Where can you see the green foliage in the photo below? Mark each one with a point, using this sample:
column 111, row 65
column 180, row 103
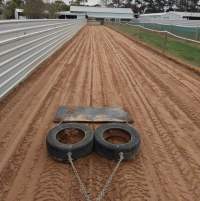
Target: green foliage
column 1, row 7
column 76, row 2
column 58, row 6
column 154, row 6
column 34, row 9
column 8, row 9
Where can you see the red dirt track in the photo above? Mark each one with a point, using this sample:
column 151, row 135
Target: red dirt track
column 100, row 67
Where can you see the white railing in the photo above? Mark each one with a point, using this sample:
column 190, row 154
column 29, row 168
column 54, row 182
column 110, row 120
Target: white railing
column 24, row 44
column 167, row 33
column 182, row 28
column 175, row 22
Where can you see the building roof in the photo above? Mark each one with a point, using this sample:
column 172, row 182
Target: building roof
column 87, row 9
column 69, row 13
column 103, row 12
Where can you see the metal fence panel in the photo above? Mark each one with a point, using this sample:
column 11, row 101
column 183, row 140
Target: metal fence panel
column 184, row 28
column 176, row 22
column 16, row 24
column 26, row 43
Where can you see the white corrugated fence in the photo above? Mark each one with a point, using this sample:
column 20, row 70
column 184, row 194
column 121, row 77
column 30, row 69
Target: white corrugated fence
column 26, row 43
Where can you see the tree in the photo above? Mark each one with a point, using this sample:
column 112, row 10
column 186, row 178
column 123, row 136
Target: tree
column 155, row 6
column 179, row 5
column 9, row 8
column 192, row 5
column 76, row 2
column 58, row 6
column 1, row 8
column 138, row 6
column 34, row 9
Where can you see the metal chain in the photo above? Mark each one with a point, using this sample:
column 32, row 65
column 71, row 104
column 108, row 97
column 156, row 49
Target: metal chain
column 82, row 186
column 109, row 180
column 107, row 184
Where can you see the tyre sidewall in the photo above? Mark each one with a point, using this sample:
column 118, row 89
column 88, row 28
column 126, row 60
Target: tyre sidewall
column 111, row 151
column 59, row 150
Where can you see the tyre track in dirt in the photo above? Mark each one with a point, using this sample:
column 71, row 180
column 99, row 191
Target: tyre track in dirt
column 97, row 176
column 168, row 71
column 125, row 189
column 150, row 94
column 100, row 67
column 83, row 84
column 182, row 80
column 45, row 182
column 172, row 123
column 171, row 66
column 162, row 94
column 157, row 90
column 176, row 112
column 103, row 85
column 140, row 55
column 142, row 83
column 138, row 186
column 50, row 168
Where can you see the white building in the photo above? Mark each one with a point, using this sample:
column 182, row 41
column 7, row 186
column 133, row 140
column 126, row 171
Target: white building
column 52, row 1
column 69, row 15
column 19, row 14
column 103, row 12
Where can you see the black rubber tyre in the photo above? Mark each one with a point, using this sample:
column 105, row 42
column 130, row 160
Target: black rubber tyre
column 59, row 150
column 111, row 151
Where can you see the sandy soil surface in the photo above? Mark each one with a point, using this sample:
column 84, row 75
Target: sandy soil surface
column 100, row 67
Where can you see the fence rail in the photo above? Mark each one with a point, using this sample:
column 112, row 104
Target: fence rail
column 182, row 28
column 164, row 42
column 175, row 22
column 24, row 44
column 166, row 33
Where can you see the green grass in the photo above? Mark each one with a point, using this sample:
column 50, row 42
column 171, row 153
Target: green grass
column 186, row 51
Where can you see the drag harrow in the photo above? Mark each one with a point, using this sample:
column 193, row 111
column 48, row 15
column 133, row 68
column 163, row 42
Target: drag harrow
column 113, row 119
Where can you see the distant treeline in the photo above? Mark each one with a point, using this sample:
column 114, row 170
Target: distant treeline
column 33, row 9
column 155, row 6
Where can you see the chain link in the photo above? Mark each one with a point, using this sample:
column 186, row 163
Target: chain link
column 82, row 186
column 109, row 180
column 107, row 184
